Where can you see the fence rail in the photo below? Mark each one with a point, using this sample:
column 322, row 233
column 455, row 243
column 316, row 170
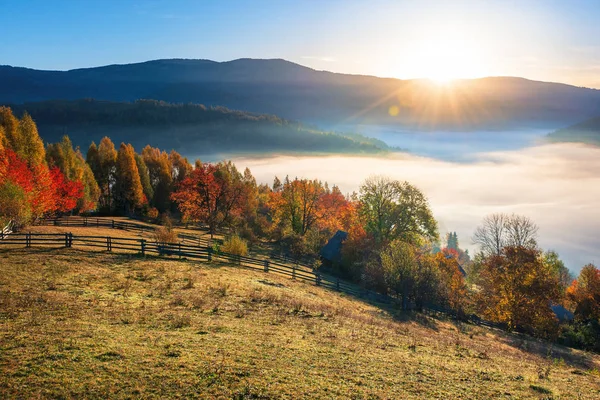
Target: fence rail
column 100, row 222
column 202, row 251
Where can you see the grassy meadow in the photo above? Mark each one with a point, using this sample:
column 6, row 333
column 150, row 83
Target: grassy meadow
column 75, row 324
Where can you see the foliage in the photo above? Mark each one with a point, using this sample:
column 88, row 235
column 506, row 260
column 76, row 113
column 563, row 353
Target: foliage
column 235, row 245
column 408, row 274
column 584, row 293
column 165, row 234
column 396, row 210
column 517, row 288
column 128, row 193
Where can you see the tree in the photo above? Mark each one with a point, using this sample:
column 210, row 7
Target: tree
column 75, row 169
column 161, row 179
column 584, row 292
column 553, row 261
column 144, row 177
column 102, row 161
column 517, row 288
column 31, row 146
column 500, row 230
column 396, row 210
column 129, row 193
column 408, row 274
column 452, row 241
column 453, row 289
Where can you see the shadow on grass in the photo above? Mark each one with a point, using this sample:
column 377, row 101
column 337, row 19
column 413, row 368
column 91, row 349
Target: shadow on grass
column 551, row 351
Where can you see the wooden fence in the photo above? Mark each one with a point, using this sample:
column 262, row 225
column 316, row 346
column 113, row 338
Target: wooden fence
column 99, row 222
column 144, row 247
column 199, row 252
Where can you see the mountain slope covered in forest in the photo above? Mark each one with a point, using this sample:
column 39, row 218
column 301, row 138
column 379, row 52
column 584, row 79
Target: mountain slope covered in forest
column 296, row 92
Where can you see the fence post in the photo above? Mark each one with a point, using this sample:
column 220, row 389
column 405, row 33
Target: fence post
column 337, row 284
column 294, row 271
column 70, row 239
column 113, row 224
column 210, row 250
column 143, row 244
column 28, row 239
column 318, row 279
column 66, row 240
column 85, row 221
column 107, row 243
column 266, row 265
column 180, row 250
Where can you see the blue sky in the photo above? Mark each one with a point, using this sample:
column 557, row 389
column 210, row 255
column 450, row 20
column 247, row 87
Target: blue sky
column 545, row 40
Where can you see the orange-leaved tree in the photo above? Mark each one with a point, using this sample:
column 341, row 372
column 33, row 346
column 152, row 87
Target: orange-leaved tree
column 584, row 293
column 517, row 288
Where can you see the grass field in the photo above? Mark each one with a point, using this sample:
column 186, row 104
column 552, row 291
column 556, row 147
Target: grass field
column 96, row 325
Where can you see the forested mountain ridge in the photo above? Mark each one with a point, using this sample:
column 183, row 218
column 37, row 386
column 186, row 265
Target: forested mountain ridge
column 193, row 129
column 296, row 92
column 587, row 131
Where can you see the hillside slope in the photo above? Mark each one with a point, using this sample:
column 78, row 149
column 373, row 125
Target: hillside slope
column 296, row 92
column 77, row 325
column 191, row 129
column 584, row 132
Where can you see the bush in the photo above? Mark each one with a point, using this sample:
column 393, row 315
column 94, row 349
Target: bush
column 165, row 234
column 152, row 213
column 235, row 245
column 14, row 204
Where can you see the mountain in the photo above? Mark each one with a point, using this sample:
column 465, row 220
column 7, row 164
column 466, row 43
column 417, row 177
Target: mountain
column 328, row 99
column 192, row 129
column 587, row 131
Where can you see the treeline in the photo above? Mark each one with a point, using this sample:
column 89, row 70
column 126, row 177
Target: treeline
column 194, row 127
column 391, row 245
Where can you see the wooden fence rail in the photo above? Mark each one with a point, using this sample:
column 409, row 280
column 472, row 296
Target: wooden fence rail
column 203, row 253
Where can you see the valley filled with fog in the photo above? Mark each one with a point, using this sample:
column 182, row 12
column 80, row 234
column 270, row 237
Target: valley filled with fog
column 557, row 185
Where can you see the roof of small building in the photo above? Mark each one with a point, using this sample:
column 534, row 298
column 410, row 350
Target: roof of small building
column 332, row 251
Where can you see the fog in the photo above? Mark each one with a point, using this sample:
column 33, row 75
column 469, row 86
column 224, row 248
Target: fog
column 557, row 185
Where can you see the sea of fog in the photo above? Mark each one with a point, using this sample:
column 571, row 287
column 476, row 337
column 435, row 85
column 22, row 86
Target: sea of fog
column 467, row 177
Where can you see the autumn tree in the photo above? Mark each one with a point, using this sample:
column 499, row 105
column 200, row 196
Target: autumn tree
column 517, row 288
column 409, row 274
column 102, row 161
column 500, row 230
column 584, row 293
column 396, row 210
column 75, row 169
column 144, row 177
column 213, row 194
column 128, row 192
column 452, row 288
column 161, row 178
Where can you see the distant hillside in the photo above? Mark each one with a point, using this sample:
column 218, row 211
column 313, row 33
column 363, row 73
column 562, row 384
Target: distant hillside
column 295, row 92
column 584, row 132
column 191, row 129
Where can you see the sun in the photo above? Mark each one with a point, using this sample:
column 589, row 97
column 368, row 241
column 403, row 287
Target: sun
column 445, row 56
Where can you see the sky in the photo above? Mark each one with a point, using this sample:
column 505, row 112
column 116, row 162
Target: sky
column 543, row 40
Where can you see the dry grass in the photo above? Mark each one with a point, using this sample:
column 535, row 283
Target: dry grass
column 80, row 325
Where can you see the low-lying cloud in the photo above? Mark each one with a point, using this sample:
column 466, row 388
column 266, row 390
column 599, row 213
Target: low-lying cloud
column 557, row 185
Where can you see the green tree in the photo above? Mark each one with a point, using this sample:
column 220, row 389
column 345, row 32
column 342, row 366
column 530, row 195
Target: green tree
column 144, row 176
column 396, row 210
column 408, row 274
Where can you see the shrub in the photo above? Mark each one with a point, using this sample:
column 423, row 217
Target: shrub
column 165, row 234
column 14, row 204
column 235, row 245
column 152, row 213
